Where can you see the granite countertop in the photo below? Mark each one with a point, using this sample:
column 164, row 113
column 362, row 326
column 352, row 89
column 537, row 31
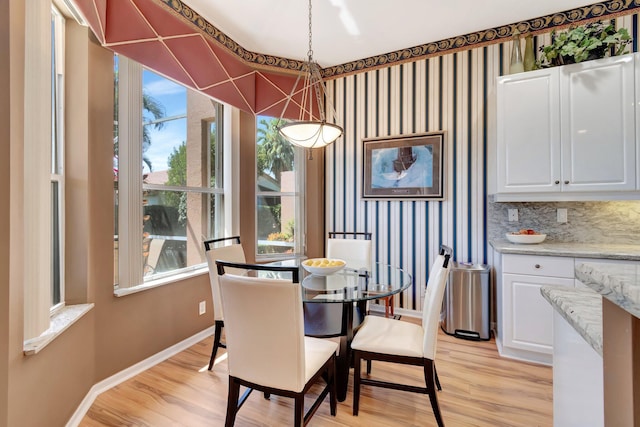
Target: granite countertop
column 619, row 283
column 580, row 250
column 582, row 308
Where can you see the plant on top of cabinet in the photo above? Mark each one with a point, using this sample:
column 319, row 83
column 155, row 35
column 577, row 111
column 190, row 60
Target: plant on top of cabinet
column 591, row 41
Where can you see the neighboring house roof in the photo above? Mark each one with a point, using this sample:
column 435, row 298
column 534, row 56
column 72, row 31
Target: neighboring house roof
column 158, row 177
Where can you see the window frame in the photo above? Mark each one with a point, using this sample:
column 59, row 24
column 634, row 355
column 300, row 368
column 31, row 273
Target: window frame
column 57, row 158
column 131, row 187
column 298, row 194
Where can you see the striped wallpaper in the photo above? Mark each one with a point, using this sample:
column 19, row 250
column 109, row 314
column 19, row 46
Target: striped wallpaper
column 452, row 93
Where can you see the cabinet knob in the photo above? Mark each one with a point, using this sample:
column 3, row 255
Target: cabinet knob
column 537, row 266
column 566, row 182
column 557, row 182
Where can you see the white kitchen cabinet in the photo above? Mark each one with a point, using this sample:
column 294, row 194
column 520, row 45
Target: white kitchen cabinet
column 526, row 318
column 567, row 129
column 598, row 125
column 528, row 132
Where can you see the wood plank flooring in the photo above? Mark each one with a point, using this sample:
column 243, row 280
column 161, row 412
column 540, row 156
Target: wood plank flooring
column 479, row 389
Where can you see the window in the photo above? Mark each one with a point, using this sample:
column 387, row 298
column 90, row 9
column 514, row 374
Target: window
column 168, row 170
column 57, row 159
column 279, row 203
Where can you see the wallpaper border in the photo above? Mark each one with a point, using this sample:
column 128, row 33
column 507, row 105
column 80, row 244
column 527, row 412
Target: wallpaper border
column 596, row 11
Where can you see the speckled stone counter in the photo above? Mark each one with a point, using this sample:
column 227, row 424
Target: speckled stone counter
column 578, row 250
column 582, row 308
column 619, row 283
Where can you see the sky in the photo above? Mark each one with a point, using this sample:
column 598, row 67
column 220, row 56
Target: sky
column 173, row 97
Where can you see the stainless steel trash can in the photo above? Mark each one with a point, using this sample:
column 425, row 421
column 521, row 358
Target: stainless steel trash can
column 466, row 306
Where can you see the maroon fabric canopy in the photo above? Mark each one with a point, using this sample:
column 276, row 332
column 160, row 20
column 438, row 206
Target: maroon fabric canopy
column 171, row 39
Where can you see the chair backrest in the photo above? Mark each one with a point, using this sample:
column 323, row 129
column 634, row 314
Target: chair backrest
column 433, row 303
column 355, row 252
column 264, row 329
column 232, row 253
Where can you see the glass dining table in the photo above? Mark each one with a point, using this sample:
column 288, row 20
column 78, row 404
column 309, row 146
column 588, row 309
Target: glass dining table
column 335, row 304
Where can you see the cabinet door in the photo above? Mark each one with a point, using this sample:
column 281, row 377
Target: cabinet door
column 598, row 125
column 528, row 132
column 528, row 317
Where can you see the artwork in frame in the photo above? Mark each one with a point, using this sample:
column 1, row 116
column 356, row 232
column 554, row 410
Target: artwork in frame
column 410, row 166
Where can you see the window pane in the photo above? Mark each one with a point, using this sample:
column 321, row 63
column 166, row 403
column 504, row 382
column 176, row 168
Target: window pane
column 174, row 223
column 56, row 273
column 276, row 224
column 212, row 135
column 116, row 271
column 275, row 158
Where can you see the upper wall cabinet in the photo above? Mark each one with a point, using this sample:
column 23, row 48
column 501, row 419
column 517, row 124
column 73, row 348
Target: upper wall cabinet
column 567, row 129
column 528, row 131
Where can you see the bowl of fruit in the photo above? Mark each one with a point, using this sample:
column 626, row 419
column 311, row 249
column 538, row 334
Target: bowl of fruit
column 323, row 266
column 526, row 236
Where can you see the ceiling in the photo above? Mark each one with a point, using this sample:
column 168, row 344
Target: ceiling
column 249, row 53
column 348, row 30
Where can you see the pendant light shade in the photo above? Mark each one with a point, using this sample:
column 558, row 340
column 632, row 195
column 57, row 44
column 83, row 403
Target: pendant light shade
column 306, row 131
column 309, row 134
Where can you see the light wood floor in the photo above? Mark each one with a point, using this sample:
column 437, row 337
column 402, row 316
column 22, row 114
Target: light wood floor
column 479, row 389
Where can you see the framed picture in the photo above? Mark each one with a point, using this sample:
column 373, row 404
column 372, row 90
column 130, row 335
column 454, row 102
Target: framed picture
column 404, row 166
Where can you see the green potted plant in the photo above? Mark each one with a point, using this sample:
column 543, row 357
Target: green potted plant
column 591, row 41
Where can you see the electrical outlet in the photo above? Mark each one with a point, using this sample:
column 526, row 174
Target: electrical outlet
column 562, row 215
column 513, row 214
column 202, row 308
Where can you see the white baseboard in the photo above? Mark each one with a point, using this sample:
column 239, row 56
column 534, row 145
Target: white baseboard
column 132, row 371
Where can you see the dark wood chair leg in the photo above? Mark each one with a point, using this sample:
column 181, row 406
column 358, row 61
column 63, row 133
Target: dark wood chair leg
column 435, row 371
column 356, row 382
column 368, row 367
column 232, row 402
column 299, row 410
column 216, row 342
column 333, row 389
column 429, row 376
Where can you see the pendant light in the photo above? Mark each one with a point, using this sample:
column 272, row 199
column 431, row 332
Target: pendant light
column 308, row 132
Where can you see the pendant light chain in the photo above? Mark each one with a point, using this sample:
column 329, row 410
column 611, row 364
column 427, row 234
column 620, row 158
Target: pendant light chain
column 310, row 133
column 310, row 52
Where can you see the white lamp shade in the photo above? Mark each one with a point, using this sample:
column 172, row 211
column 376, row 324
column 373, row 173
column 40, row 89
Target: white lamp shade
column 309, row 134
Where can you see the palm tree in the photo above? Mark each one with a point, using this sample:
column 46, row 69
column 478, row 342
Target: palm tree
column 275, row 154
column 150, row 105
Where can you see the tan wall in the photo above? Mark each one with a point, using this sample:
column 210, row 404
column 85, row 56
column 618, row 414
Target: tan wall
column 314, row 205
column 247, row 184
column 45, row 389
column 11, row 119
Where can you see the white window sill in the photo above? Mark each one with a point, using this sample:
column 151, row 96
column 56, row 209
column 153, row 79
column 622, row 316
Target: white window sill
column 60, row 321
column 120, row 292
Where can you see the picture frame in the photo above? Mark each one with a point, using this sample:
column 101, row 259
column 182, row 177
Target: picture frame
column 408, row 166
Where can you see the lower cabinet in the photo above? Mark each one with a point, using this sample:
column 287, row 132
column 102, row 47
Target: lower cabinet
column 525, row 318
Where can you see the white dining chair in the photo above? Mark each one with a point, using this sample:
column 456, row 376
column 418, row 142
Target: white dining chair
column 220, row 249
column 354, row 251
column 390, row 340
column 266, row 344
column 357, row 253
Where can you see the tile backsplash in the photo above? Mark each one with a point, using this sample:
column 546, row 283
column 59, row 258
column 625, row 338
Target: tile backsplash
column 588, row 222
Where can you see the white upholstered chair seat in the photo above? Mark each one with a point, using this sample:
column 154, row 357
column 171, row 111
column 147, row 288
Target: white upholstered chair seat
column 389, row 336
column 316, row 352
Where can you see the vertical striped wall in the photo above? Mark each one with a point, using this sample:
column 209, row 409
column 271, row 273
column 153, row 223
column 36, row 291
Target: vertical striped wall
column 452, row 93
